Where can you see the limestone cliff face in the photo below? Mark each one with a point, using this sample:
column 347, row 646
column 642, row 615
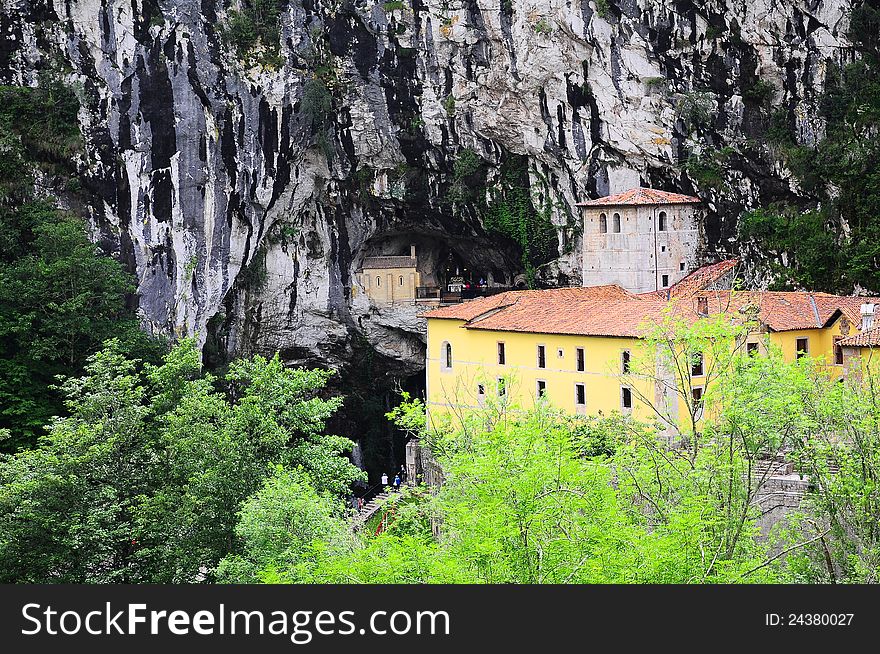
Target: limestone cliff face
column 244, row 214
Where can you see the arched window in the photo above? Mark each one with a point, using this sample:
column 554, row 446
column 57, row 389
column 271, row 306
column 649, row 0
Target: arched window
column 603, row 224
column 400, row 280
column 378, row 281
column 447, row 355
column 617, row 223
column 661, row 222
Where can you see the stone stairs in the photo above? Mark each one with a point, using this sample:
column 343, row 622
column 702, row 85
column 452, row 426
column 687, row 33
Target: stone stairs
column 370, row 509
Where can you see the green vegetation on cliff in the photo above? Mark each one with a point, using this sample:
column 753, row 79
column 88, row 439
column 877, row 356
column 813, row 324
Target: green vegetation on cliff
column 60, row 298
column 834, row 246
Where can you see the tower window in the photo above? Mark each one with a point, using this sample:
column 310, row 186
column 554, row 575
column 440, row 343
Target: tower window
column 617, row 223
column 681, row 266
column 542, row 357
column 580, row 359
column 501, row 354
column 542, row 388
column 664, row 280
column 603, row 223
column 624, row 362
column 378, row 281
column 502, row 390
column 626, row 400
column 661, row 222
column 400, row 280
column 838, row 351
column 802, row 347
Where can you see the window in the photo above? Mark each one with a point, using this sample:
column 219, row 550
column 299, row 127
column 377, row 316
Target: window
column 400, row 281
column 580, row 394
column 664, row 280
column 617, row 223
column 838, row 351
column 626, row 399
column 542, row 388
column 681, row 266
column 502, row 388
column 624, row 362
column 802, row 347
column 697, row 365
column 501, row 355
column 560, row 353
column 603, row 224
column 580, row 359
column 542, row 358
column 447, row 355
column 378, row 281
column 703, row 306
column 661, row 222
column 481, row 390
column 697, row 394
column 751, row 349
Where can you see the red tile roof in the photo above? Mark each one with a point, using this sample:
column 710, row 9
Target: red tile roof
column 641, row 196
column 612, row 311
column 699, row 279
column 869, row 338
column 474, row 308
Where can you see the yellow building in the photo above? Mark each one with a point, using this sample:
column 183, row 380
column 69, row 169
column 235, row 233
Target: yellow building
column 575, row 346
column 861, row 351
column 388, row 279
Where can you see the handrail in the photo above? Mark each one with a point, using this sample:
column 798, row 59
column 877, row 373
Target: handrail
column 369, row 490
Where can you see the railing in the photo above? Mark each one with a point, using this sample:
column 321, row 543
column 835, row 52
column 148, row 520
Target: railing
column 438, row 293
column 427, row 292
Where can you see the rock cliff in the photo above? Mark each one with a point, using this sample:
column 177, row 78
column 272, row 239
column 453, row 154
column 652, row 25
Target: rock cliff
column 244, row 185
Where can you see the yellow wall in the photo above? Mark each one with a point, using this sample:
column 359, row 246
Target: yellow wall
column 474, row 359
column 474, row 354
column 384, row 284
column 820, row 342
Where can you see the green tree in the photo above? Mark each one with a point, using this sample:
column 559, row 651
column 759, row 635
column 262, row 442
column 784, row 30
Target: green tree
column 143, row 480
column 286, row 528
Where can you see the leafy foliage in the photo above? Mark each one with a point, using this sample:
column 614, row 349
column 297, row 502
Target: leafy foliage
column 254, row 32
column 512, row 213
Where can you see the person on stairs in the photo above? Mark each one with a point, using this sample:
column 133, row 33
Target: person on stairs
column 397, row 482
column 384, row 479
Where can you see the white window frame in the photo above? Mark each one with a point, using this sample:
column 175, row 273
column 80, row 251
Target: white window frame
column 578, row 385
column 623, row 407
column 538, row 393
column 445, row 358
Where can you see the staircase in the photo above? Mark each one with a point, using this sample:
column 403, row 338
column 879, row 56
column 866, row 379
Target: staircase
column 370, row 509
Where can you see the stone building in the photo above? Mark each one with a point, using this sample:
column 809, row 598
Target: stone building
column 387, row 279
column 642, row 239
